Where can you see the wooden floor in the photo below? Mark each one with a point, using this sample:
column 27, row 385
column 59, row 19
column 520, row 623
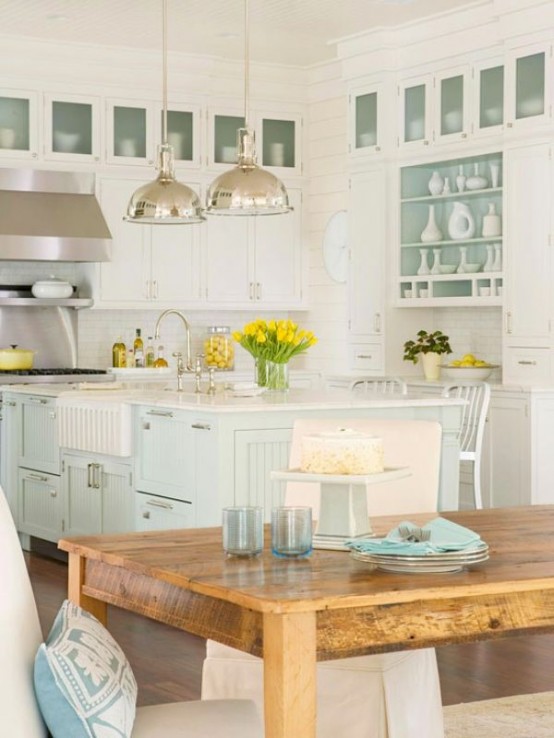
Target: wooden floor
column 167, row 662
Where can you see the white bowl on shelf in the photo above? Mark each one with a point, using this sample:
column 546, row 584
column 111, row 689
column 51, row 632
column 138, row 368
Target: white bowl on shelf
column 447, row 268
column 468, row 373
column 52, row 289
column 469, row 268
column 66, row 142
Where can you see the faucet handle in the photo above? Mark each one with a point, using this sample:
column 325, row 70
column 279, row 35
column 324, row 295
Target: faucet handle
column 198, row 359
column 179, row 356
column 211, row 382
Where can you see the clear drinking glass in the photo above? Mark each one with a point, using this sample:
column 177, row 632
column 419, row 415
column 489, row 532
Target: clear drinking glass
column 243, row 530
column 291, row 531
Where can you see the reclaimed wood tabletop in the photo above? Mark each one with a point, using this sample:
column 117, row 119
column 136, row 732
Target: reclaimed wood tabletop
column 327, row 606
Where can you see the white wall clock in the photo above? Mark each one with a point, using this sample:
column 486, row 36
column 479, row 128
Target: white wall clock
column 335, row 246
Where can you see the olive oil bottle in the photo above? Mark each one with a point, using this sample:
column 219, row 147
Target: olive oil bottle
column 119, row 354
column 149, row 355
column 138, row 348
column 160, row 361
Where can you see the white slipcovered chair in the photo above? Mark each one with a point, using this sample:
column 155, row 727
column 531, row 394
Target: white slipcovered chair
column 20, row 636
column 392, row 695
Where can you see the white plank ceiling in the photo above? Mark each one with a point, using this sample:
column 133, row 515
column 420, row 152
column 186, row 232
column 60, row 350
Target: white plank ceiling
column 297, row 32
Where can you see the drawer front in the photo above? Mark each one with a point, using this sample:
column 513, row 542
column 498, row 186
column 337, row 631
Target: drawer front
column 366, row 356
column 40, row 505
column 160, row 513
column 527, row 365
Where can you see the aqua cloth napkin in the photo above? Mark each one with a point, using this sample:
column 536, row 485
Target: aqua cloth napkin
column 443, row 536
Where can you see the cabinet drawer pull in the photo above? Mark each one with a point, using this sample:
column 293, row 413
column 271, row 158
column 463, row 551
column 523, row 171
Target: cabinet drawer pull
column 251, row 292
column 163, row 505
column 10, row 403
column 508, row 322
column 364, row 356
column 526, row 362
column 36, row 477
column 39, row 400
column 97, row 476
column 258, row 291
column 377, row 322
column 160, row 413
column 201, row 426
column 89, row 476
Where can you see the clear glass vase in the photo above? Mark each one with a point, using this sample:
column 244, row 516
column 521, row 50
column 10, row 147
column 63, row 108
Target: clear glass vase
column 260, row 372
column 277, row 376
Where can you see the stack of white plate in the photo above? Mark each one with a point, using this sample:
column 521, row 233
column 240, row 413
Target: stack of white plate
column 431, row 563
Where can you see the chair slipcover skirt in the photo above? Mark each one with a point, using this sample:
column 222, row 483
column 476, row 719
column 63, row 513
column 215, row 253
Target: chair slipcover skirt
column 393, row 695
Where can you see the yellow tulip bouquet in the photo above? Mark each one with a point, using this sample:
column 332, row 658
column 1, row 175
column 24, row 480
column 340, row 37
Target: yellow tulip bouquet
column 276, row 342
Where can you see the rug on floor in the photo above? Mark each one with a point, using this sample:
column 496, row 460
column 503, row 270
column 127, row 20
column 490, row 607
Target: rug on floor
column 523, row 716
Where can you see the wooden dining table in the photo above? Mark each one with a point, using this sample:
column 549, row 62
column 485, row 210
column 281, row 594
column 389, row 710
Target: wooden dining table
column 327, row 606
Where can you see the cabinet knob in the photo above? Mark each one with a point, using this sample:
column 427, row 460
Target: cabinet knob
column 464, row 135
column 53, row 493
column 509, row 125
column 146, row 515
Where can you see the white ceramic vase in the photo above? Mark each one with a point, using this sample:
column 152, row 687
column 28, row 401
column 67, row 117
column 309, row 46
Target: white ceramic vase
column 490, row 258
column 431, row 233
column 424, row 264
column 436, row 268
column 461, row 179
column 492, row 225
column 431, row 365
column 436, row 184
column 461, row 224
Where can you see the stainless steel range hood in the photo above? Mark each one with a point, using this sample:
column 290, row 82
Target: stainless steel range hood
column 51, row 216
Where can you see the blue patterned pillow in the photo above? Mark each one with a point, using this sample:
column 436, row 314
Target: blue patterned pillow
column 84, row 684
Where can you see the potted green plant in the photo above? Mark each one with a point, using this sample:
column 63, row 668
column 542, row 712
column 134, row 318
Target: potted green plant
column 431, row 346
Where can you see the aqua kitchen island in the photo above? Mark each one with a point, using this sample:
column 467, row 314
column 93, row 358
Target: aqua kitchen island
column 128, row 459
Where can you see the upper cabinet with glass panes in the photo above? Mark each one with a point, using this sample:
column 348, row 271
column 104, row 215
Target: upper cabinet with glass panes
column 71, row 127
column 19, row 124
column 278, row 140
column 366, row 121
column 528, row 87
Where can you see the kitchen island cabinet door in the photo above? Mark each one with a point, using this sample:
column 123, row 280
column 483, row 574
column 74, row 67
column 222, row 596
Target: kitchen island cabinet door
column 40, row 505
column 39, row 447
column 98, row 495
column 164, row 459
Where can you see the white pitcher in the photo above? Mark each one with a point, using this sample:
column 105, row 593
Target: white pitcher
column 461, row 224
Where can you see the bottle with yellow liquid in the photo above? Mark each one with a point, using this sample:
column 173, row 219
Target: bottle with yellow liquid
column 138, row 348
column 160, row 361
column 149, row 355
column 119, row 354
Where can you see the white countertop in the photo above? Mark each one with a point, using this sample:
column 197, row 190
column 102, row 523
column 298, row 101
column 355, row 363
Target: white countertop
column 224, row 401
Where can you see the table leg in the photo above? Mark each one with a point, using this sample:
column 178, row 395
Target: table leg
column 76, row 577
column 290, row 675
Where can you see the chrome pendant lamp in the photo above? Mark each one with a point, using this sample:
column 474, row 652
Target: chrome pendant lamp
column 247, row 189
column 164, row 200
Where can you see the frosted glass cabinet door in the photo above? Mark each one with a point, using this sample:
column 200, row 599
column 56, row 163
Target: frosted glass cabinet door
column 452, row 109
column 528, row 86
column 365, row 121
column 488, row 98
column 279, row 145
column 71, row 128
column 415, row 111
column 18, row 124
column 223, row 138
column 130, row 136
column 183, row 132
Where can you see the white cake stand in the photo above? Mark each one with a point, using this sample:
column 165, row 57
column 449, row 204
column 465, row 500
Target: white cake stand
column 343, row 513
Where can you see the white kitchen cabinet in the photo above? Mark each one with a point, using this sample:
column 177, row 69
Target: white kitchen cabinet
column 415, row 105
column 40, row 505
column 366, row 275
column 487, row 87
column 528, row 87
column 97, row 493
column 72, row 128
column 9, row 440
column 19, row 124
column 38, row 434
column 183, row 133
column 528, row 303
column 452, row 105
column 366, row 120
column 129, row 132
column 154, row 266
column 506, row 466
column 255, row 262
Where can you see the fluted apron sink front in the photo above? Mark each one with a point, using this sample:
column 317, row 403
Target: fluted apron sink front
column 102, row 424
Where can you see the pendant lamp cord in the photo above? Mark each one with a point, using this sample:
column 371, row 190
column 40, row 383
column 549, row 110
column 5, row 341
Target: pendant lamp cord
column 164, row 72
column 246, row 63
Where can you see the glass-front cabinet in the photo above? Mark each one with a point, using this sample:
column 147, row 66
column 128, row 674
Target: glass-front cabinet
column 416, row 117
column 366, row 128
column 222, row 138
column 183, row 132
column 488, row 98
column 452, row 109
column 528, row 80
column 129, row 132
column 279, row 142
column 71, row 127
column 18, row 124
column 451, row 233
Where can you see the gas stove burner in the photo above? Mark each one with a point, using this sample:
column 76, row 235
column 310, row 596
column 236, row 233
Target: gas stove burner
column 47, row 372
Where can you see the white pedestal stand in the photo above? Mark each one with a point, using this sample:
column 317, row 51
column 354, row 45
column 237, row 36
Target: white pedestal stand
column 343, row 510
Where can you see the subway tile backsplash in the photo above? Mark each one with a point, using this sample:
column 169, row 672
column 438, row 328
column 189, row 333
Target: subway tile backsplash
column 473, row 330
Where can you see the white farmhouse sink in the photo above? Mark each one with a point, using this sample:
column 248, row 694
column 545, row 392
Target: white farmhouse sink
column 101, row 423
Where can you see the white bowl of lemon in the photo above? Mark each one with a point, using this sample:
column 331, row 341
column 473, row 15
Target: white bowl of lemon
column 469, row 367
